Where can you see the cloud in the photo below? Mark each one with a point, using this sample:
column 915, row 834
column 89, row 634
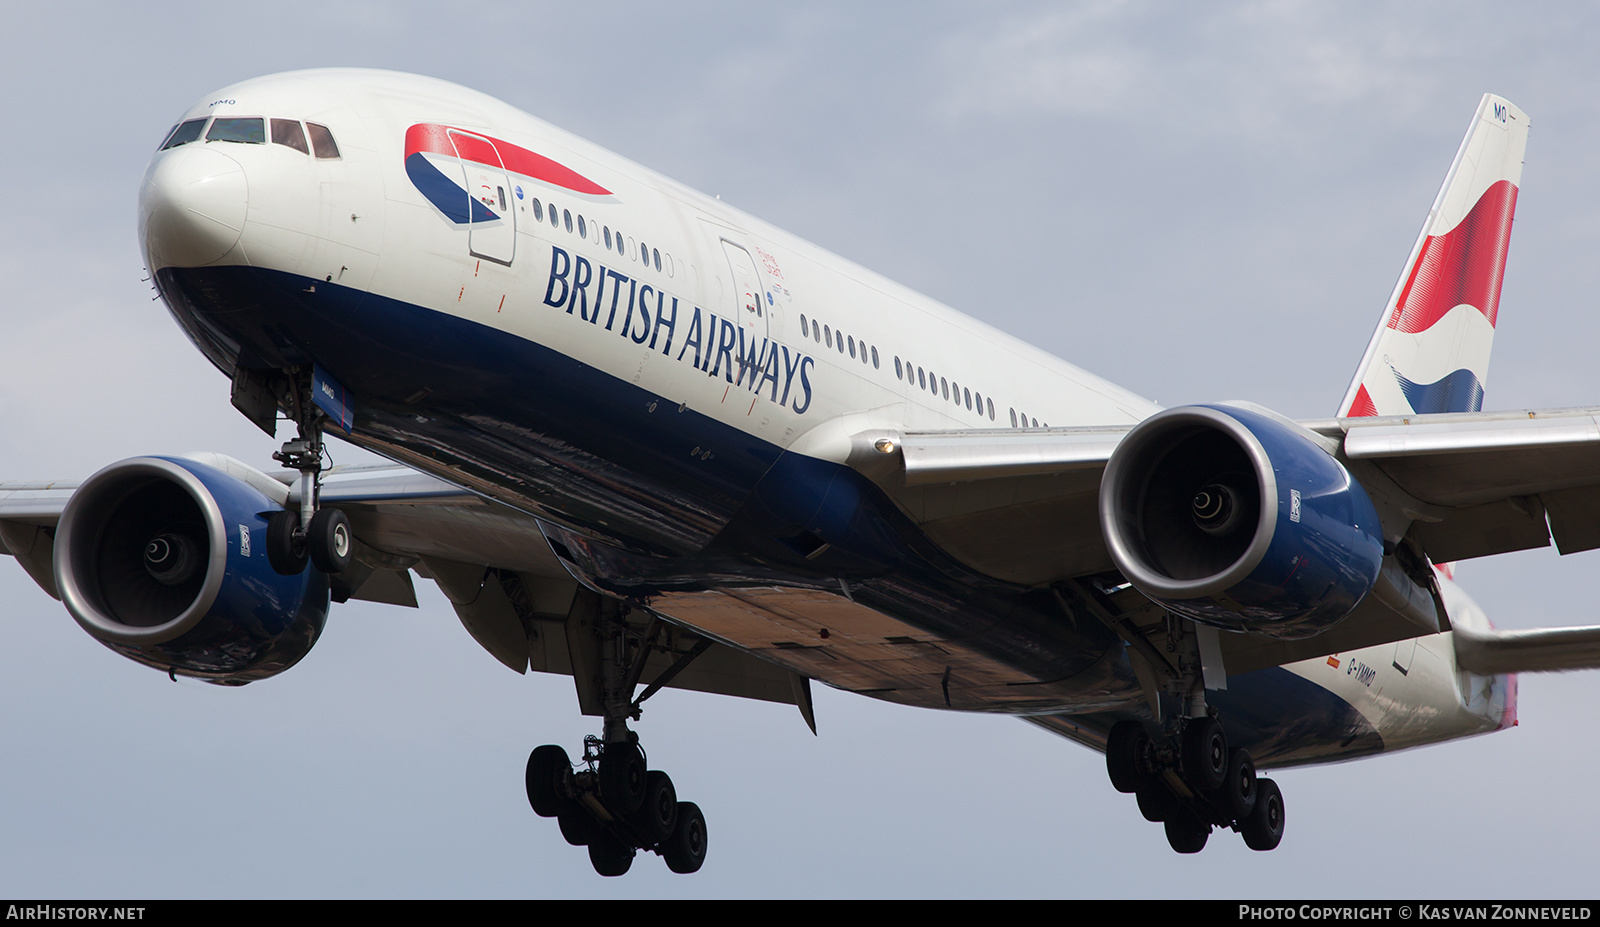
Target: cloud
column 1236, row 70
column 1055, row 61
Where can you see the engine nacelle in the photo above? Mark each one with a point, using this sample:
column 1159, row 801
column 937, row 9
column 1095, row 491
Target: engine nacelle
column 164, row 560
column 1239, row 521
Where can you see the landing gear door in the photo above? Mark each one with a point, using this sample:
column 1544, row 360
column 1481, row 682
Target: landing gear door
column 492, row 234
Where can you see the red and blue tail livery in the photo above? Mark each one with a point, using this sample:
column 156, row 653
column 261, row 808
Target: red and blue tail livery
column 1431, row 351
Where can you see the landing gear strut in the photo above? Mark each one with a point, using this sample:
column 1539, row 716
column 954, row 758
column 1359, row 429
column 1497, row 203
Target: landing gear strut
column 610, row 801
column 321, row 536
column 1187, row 777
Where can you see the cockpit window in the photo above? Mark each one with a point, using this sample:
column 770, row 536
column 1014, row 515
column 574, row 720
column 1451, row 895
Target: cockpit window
column 322, row 141
column 287, row 132
column 250, row 130
column 184, row 133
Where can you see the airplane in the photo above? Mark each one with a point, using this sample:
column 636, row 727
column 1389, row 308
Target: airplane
column 645, row 440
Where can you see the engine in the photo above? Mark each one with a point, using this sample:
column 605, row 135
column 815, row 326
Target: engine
column 164, row 561
column 1240, row 521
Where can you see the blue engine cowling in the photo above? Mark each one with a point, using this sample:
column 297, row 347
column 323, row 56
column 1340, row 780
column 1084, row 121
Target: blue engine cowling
column 164, row 560
column 1239, row 521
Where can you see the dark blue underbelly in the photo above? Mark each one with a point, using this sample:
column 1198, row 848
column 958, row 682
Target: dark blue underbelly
column 607, row 467
column 549, row 434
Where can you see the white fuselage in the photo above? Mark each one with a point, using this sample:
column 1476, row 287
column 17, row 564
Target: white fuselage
column 669, row 299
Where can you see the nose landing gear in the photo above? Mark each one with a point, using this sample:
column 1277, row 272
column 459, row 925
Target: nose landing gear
column 319, row 535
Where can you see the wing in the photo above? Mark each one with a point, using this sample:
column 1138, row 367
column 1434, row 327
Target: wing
column 1023, row 506
column 1473, row 484
column 1487, row 483
column 492, row 562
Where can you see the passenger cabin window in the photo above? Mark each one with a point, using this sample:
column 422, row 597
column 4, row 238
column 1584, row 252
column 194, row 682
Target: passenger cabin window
column 322, row 141
column 538, row 210
column 251, row 131
column 184, row 133
column 287, row 132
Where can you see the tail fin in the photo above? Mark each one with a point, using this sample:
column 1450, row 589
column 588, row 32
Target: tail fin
column 1431, row 350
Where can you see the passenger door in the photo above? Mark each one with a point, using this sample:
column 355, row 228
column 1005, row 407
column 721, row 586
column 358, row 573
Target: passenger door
column 492, row 234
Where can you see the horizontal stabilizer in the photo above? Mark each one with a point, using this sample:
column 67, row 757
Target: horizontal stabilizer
column 1538, row 651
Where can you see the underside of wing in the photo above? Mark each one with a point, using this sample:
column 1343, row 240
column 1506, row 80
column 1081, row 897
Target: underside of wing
column 1484, row 483
column 492, row 562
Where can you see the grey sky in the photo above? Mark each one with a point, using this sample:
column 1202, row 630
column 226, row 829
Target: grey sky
column 1200, row 202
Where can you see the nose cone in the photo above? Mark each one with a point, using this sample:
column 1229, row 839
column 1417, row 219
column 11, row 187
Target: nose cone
column 192, row 207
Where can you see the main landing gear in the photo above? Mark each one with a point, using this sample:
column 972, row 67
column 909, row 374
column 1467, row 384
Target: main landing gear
column 1191, row 781
column 611, row 802
column 321, row 536
column 615, row 806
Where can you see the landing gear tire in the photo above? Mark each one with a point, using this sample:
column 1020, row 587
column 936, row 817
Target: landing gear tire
column 1186, row 832
column 1237, row 797
column 1263, row 829
column 546, row 780
column 329, row 541
column 578, row 827
column 610, row 856
column 685, row 850
column 656, row 818
column 1204, row 754
column 1156, row 802
column 622, row 778
column 285, row 553
column 1126, row 747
